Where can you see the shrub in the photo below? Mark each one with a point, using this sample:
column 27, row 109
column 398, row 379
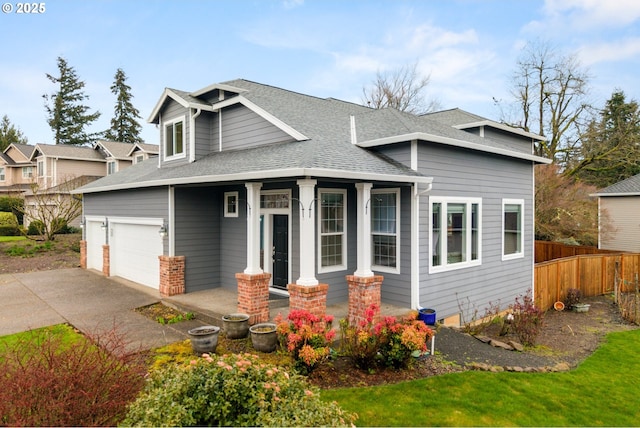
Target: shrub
column 528, row 320
column 231, row 390
column 307, row 337
column 573, row 297
column 390, row 342
column 36, row 227
column 9, row 231
column 47, row 382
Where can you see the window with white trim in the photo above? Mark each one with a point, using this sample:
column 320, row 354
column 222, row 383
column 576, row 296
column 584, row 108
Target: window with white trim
column 174, row 137
column 231, row 204
column 2, row 174
column 332, row 230
column 139, row 158
column 385, row 230
column 512, row 228
column 40, row 168
column 455, row 232
column 27, row 172
column 111, row 167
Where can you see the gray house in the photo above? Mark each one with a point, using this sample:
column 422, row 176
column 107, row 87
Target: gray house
column 621, row 202
column 260, row 189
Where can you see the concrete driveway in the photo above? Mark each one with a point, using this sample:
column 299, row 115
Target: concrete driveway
column 86, row 300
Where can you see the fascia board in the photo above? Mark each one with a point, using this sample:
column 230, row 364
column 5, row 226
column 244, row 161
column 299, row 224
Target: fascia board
column 603, row 195
column 262, row 175
column 501, row 126
column 168, row 93
column 217, row 86
column 423, row 136
column 262, row 113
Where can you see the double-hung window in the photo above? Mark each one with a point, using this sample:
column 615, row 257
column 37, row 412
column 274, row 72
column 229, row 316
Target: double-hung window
column 333, row 228
column 455, row 232
column 385, row 230
column 174, row 138
column 111, row 167
column 2, row 174
column 27, row 172
column 512, row 227
column 231, row 204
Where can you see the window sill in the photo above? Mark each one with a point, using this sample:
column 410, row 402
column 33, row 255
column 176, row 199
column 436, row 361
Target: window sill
column 385, row 269
column 514, row 256
column 455, row 266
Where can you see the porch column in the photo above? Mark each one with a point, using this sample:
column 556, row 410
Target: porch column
column 253, row 229
column 307, row 233
column 364, row 206
column 307, row 293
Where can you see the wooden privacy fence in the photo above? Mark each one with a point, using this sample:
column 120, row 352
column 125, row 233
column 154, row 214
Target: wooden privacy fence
column 593, row 274
column 547, row 250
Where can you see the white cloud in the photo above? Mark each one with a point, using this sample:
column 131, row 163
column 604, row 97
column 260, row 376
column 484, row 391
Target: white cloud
column 562, row 16
column 291, row 4
column 618, row 50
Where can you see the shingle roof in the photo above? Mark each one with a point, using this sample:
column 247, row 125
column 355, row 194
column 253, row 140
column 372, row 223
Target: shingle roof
column 630, row 186
column 454, row 117
column 116, row 149
column 68, row 152
column 328, row 149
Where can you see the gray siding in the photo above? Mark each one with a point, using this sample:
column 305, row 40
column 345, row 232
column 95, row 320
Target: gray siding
column 204, row 133
column 464, row 173
column 513, row 140
column 152, row 202
column 233, row 238
column 242, row 128
column 197, row 225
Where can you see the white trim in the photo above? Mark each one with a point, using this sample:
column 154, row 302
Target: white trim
column 267, row 237
column 148, row 221
column 444, row 201
column 618, row 194
column 219, row 86
column 168, row 93
column 264, row 175
column 424, row 136
column 414, row 155
column 415, row 247
column 379, row 268
column 262, row 113
column 307, row 234
column 171, row 208
column 516, row 255
column 172, row 123
column 343, row 265
column 227, row 213
column 502, row 126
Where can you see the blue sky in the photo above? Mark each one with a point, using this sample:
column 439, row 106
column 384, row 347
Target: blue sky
column 318, row 47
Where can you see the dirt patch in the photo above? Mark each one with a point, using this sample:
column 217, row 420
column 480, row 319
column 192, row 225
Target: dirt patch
column 33, row 255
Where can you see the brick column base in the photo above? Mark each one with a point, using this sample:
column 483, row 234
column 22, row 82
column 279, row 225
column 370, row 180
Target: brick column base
column 171, row 275
column 106, row 263
column 311, row 298
column 253, row 296
column 363, row 292
column 83, row 254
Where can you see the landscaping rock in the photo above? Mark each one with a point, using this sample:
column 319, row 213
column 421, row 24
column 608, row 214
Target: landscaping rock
column 499, row 344
column 516, row 346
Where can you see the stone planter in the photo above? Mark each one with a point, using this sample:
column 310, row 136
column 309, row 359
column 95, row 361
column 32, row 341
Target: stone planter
column 204, row 339
column 264, row 337
column 581, row 307
column 236, row 326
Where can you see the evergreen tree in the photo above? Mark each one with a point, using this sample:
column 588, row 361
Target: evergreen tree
column 124, row 125
column 9, row 134
column 610, row 150
column 68, row 116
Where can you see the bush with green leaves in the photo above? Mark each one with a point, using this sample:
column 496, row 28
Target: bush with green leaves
column 36, row 227
column 231, row 390
column 8, row 224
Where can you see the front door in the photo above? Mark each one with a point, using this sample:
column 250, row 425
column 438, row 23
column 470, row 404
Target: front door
column 280, row 251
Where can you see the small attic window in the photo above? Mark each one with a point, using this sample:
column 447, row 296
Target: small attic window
column 174, row 138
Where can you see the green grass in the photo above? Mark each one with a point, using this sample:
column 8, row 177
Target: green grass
column 12, row 238
column 65, row 332
column 602, row 391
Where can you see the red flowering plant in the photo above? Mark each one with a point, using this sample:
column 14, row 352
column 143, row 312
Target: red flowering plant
column 390, row 342
column 307, row 337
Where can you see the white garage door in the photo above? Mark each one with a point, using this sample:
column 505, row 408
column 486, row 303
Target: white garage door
column 95, row 240
column 134, row 252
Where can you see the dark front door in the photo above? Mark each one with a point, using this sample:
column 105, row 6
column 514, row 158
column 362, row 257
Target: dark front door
column 280, row 251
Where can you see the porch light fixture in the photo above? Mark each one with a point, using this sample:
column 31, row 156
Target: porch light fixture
column 82, row 224
column 103, row 226
column 163, row 232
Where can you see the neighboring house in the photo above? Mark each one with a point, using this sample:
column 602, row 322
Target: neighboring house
column 621, row 203
column 141, row 152
column 258, row 189
column 118, row 156
column 16, row 169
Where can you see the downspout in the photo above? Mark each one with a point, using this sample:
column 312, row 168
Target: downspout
column 220, row 130
column 192, row 134
column 415, row 244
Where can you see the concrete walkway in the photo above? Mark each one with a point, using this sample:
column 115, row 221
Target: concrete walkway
column 93, row 303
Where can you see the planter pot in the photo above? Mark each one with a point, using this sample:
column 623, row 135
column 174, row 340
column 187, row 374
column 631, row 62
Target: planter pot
column 236, row 326
column 581, row 307
column 427, row 316
column 264, row 337
column 204, row 339
column 558, row 306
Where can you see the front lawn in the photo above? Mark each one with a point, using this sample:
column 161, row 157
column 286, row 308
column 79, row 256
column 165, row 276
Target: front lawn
column 12, row 238
column 602, row 391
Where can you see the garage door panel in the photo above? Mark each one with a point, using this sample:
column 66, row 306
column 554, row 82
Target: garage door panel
column 134, row 253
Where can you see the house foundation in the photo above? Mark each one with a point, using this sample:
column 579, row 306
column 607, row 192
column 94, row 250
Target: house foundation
column 253, row 296
column 83, row 254
column 171, row 275
column 106, row 260
column 311, row 298
column 363, row 292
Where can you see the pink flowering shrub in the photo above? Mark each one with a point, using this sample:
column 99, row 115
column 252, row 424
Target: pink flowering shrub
column 389, row 342
column 307, row 337
column 231, row 390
